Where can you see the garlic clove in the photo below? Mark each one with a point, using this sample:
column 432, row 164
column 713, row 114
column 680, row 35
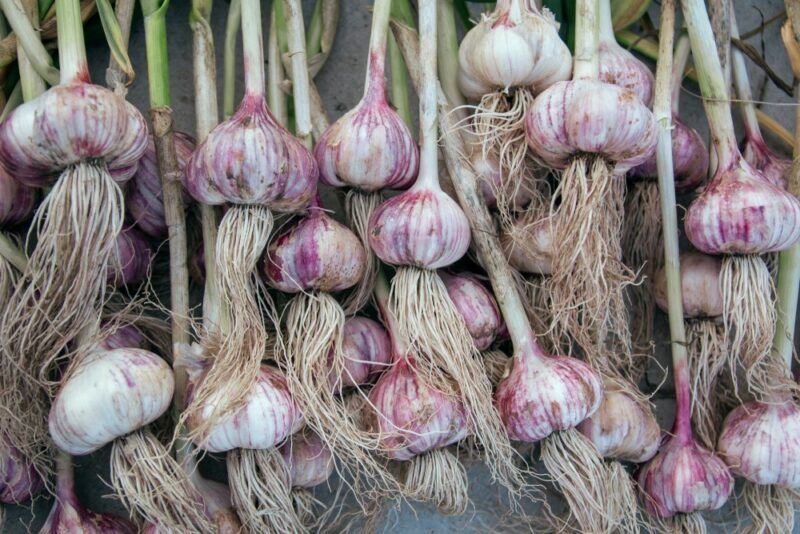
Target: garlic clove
column 109, row 394
column 309, row 460
column 317, row 253
column 477, row 306
column 700, row 285
column 132, row 258
column 759, row 442
column 529, row 245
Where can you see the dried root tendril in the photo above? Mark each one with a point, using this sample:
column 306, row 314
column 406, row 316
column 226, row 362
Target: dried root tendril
column 153, row 486
column 707, row 360
column 235, row 349
column 771, row 509
column 358, row 207
column 437, row 477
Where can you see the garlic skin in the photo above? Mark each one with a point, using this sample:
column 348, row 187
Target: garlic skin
column 71, row 517
column 67, row 124
column 422, row 227
column 740, row 212
column 477, row 306
column 773, row 167
column 514, row 46
column 317, row 253
column 109, row 394
column 409, row 417
column 251, row 159
column 132, row 258
column 268, row 418
column 700, row 286
column 17, row 201
column 689, row 159
column 369, row 148
column 684, row 478
column 309, row 460
column 143, row 201
column 545, row 394
column 126, row 336
column 622, row 428
column 593, row 117
column 529, row 246
column 367, row 352
column 19, row 481
column 619, row 67
column 760, row 441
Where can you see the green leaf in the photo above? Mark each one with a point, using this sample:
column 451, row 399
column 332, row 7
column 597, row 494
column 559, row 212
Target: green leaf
column 119, row 49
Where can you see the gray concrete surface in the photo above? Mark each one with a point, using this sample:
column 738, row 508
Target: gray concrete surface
column 340, row 83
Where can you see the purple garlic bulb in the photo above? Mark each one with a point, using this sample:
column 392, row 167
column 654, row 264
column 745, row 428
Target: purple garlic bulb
column 590, row 116
column 513, row 46
column 309, row 460
column 622, row 428
column 760, row 441
column 411, row 418
column 133, row 257
column 741, row 212
column 367, row 352
column 317, row 253
column 125, row 336
column 268, row 417
column 143, row 200
column 684, row 478
column 251, row 159
column 544, row 394
column 529, row 245
column 17, row 201
column 700, row 287
column 109, row 394
column 422, row 227
column 476, row 305
column 67, row 124
column 20, row 481
column 773, row 167
column 689, row 159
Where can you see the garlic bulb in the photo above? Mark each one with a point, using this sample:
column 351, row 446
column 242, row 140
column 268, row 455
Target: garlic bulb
column 309, row 460
column 268, row 417
column 132, row 258
column 622, row 428
column 513, row 46
column 107, row 395
column 19, row 480
column 529, row 245
column 316, row 253
column 411, row 418
column 544, row 394
column 143, row 201
column 773, row 167
column 422, row 227
column 589, row 116
column 366, row 349
column 759, row 442
column 740, row 212
column 476, row 305
column 17, row 200
column 67, row 124
column 684, row 478
column 126, row 336
column 700, row 286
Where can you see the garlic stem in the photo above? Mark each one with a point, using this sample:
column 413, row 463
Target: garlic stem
column 297, row 53
column 448, row 55
column 314, row 32
column 14, row 99
column 253, row 48
column 712, row 82
column 71, row 49
column 680, row 59
column 28, row 39
column 666, row 185
column 115, row 76
column 375, row 83
column 741, row 83
column 586, row 62
column 65, row 479
column 12, row 253
column 32, row 83
column 275, row 73
column 606, row 22
column 428, row 94
column 400, row 97
column 229, row 62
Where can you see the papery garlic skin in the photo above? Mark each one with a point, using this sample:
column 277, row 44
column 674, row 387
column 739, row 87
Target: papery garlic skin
column 367, row 352
column 592, row 117
column 409, row 417
column 621, row 68
column 70, row 517
column 316, row 253
column 760, row 442
column 251, row 159
column 740, row 212
column 529, row 246
column 701, row 291
column 684, row 478
column 309, row 460
column 132, row 258
column 17, row 201
column 773, row 167
column 126, row 336
column 268, row 417
column 476, row 304
column 67, row 124
column 422, row 227
column 622, row 428
column 143, row 201
column 19, row 480
column 108, row 395
column 545, row 394
column 514, row 46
